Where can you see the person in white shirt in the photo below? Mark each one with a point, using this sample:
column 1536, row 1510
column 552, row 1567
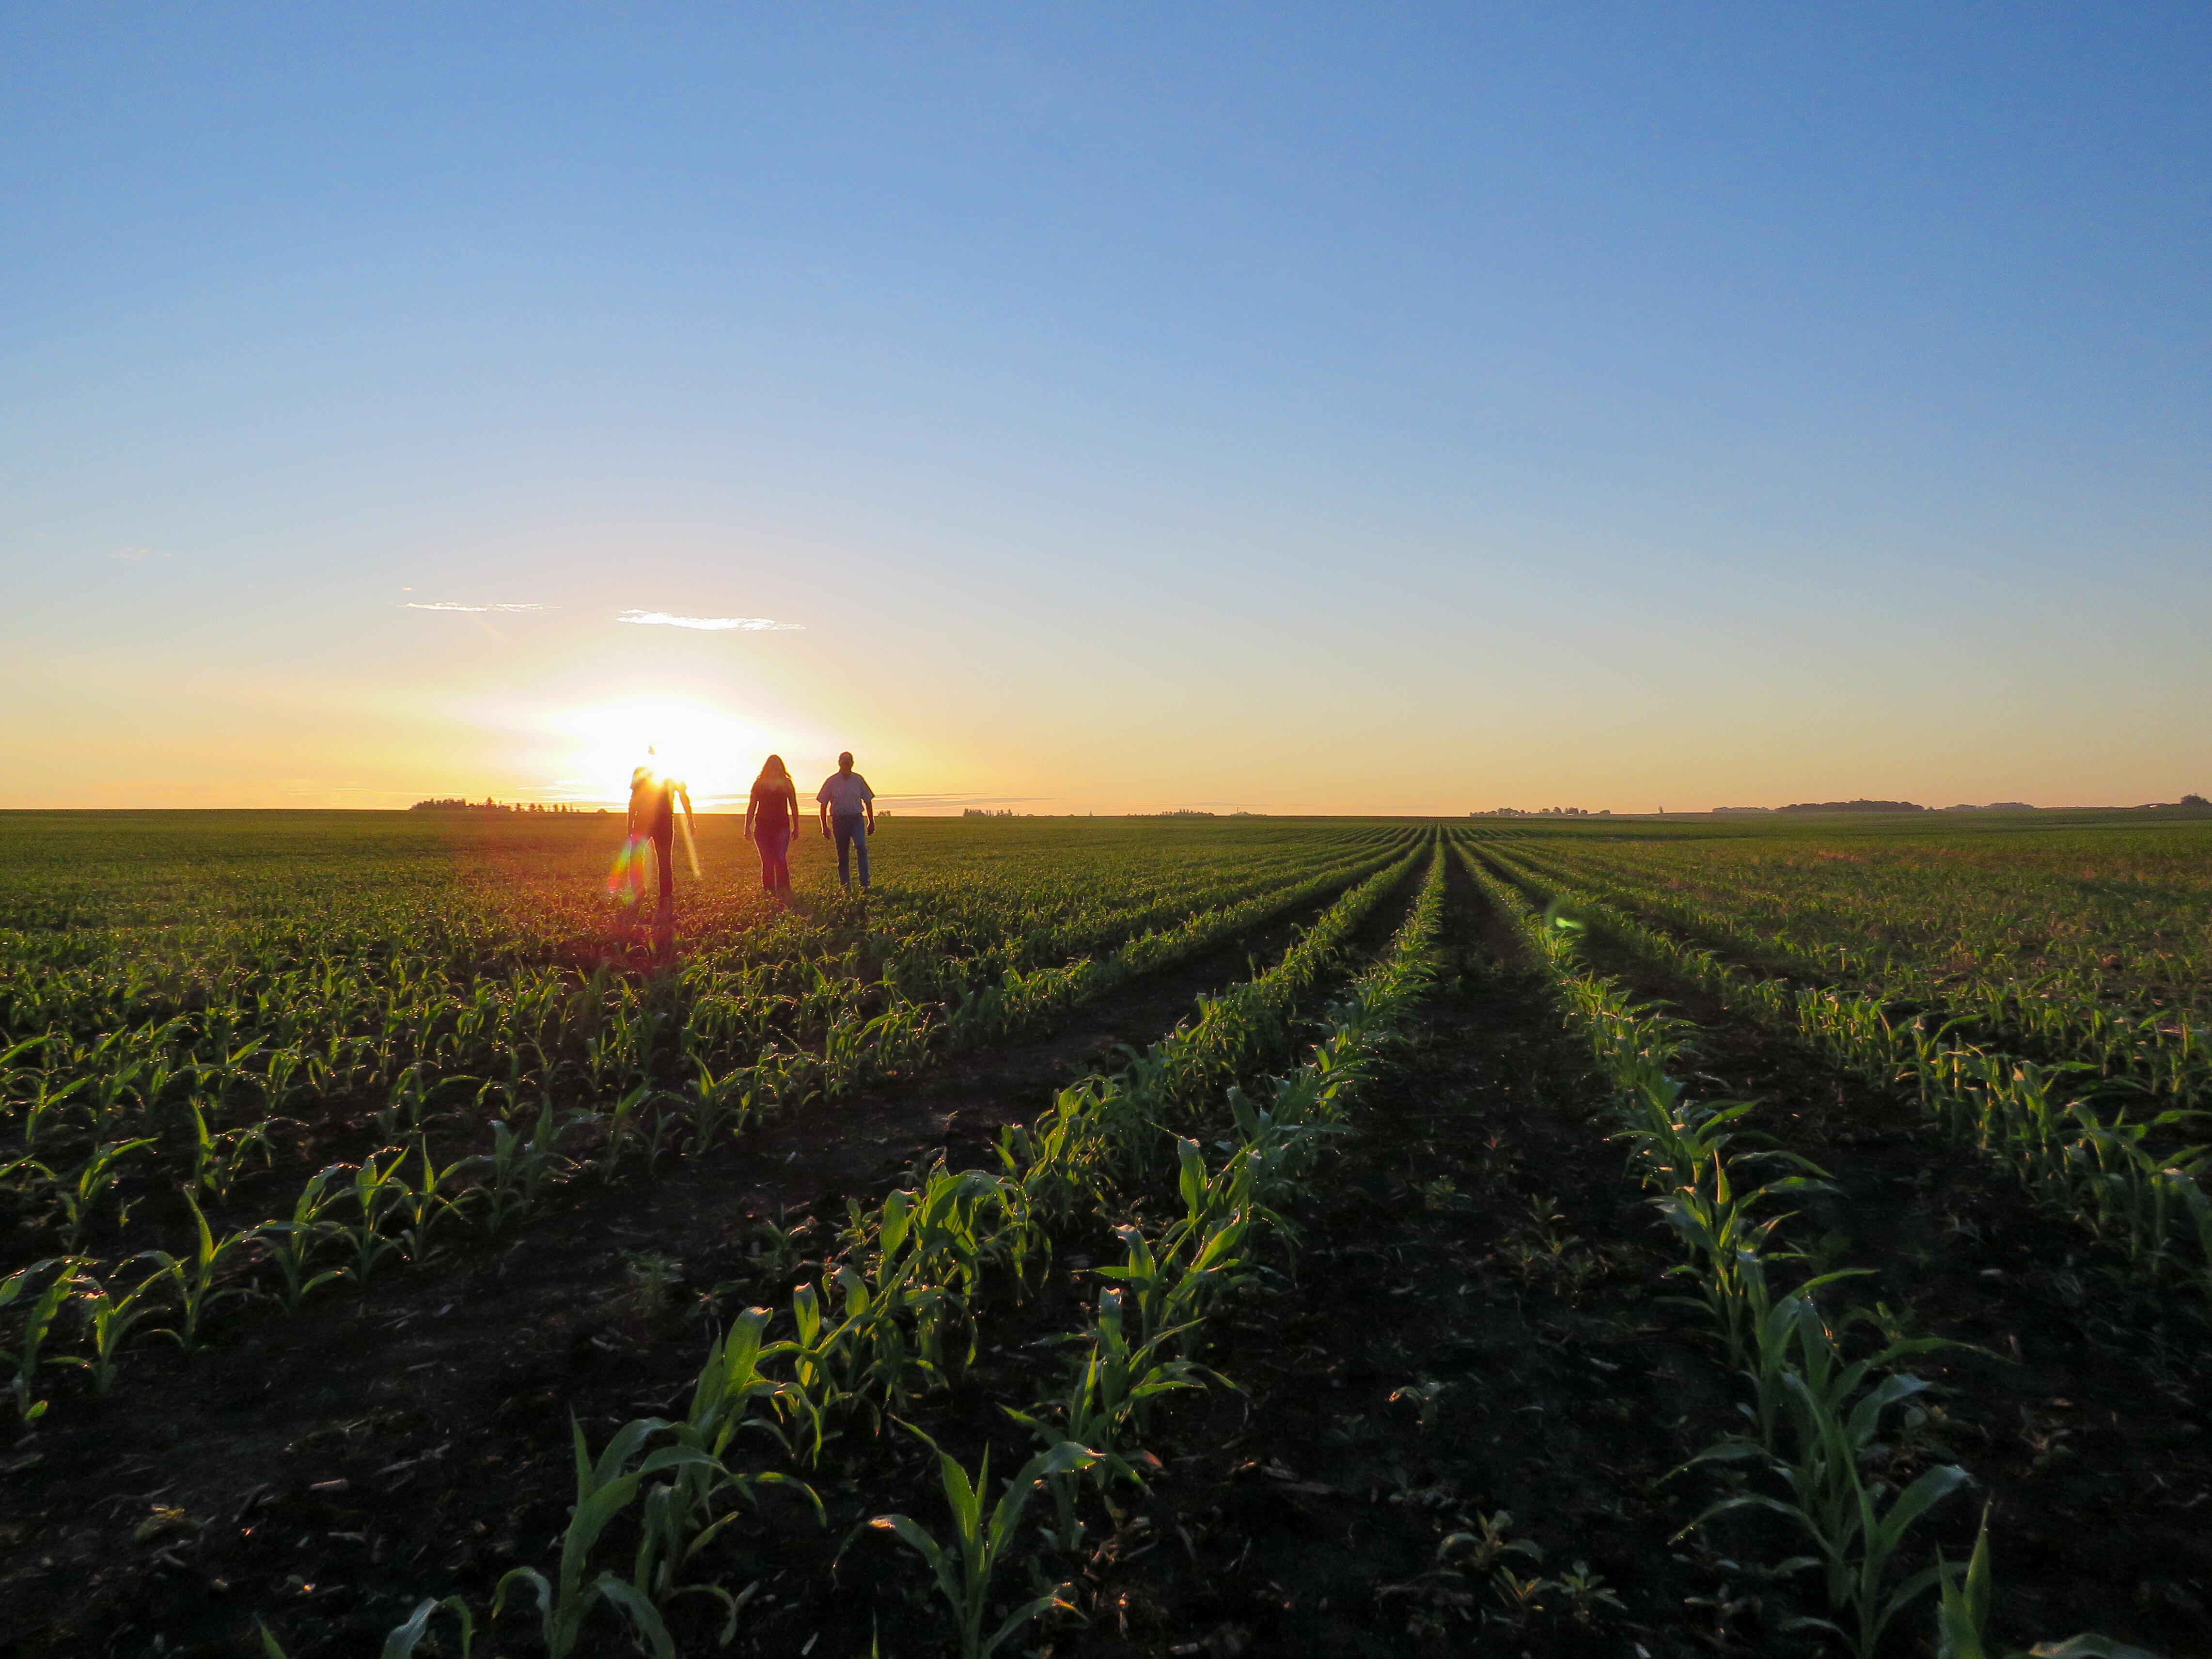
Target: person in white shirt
column 848, row 802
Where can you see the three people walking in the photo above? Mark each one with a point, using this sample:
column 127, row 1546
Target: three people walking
column 849, row 805
column 771, row 820
column 848, row 813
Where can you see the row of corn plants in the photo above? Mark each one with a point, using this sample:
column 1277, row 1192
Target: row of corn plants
column 1022, row 1002
column 1820, row 1419
column 199, row 1071
column 402, row 1205
column 895, row 1316
column 311, row 1009
column 2066, row 1135
column 2005, row 955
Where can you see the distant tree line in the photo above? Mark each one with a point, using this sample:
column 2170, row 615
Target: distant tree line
column 1543, row 813
column 456, row 804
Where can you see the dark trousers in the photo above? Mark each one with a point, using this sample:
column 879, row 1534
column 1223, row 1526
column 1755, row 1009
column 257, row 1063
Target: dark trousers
column 773, row 842
column 852, row 839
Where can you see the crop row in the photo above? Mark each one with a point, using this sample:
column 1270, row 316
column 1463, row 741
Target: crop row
column 1831, row 1431
column 894, row 1315
column 399, row 1042
column 2032, row 956
column 404, row 1204
column 309, row 1010
column 2067, row 1137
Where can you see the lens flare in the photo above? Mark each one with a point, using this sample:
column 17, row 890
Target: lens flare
column 632, row 875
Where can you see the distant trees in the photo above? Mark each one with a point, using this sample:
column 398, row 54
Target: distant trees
column 457, row 803
column 1853, row 806
column 1544, row 812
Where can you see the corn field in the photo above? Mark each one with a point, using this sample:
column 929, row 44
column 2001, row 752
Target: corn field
column 1105, row 1236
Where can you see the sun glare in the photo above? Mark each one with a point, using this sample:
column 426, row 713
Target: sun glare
column 713, row 751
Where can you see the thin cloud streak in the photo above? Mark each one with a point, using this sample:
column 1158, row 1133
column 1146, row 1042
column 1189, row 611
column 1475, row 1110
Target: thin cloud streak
column 448, row 604
column 712, row 624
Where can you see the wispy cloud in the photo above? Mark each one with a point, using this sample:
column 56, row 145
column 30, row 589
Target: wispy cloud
column 712, row 624
column 135, row 554
column 449, row 604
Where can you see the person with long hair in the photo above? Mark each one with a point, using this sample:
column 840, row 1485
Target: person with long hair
column 771, row 820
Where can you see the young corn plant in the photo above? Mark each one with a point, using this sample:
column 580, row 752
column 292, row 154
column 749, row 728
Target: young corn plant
column 195, row 1280
column 38, row 1311
column 424, row 1208
column 963, row 1570
column 377, row 1191
column 82, row 1189
column 678, row 1518
column 219, row 1157
column 1114, row 1382
column 1855, row 1523
column 619, row 1130
column 521, row 1168
column 1731, row 1250
column 110, row 1318
column 292, row 1244
column 822, row 1364
column 719, row 1105
column 605, row 1487
column 45, row 1104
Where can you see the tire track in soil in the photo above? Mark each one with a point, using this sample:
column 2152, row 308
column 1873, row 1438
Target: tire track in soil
column 2085, row 1419
column 460, row 1377
column 1305, row 1518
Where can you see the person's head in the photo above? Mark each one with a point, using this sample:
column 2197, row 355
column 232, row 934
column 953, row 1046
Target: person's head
column 845, row 761
column 642, row 776
column 772, row 771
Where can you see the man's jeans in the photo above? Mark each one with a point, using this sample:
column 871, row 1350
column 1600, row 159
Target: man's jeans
column 852, row 833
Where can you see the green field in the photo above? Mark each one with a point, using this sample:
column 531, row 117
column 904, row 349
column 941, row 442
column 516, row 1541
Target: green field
column 1341, row 1227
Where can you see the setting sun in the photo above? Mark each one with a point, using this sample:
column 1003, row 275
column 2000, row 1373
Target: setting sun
column 713, row 751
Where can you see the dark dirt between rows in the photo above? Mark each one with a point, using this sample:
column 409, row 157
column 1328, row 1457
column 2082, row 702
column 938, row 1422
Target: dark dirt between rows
column 458, row 1380
column 2081, row 1408
column 1305, row 1515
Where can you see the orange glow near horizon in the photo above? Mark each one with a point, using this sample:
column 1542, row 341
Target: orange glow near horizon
column 715, row 753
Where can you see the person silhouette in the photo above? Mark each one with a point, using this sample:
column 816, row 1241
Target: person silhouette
column 845, row 797
column 652, row 824
column 771, row 820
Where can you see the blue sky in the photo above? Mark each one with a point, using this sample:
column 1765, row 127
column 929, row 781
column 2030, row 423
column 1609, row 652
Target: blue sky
column 1299, row 408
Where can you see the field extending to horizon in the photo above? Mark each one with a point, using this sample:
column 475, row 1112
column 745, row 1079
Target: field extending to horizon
column 1147, row 1237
